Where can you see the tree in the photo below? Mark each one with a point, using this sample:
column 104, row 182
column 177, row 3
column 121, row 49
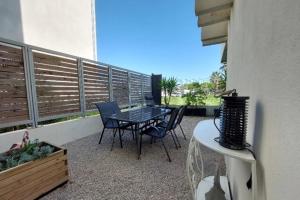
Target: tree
column 163, row 85
column 218, row 79
column 207, row 87
column 215, row 79
column 223, row 71
column 168, row 86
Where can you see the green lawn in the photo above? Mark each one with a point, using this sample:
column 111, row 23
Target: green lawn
column 210, row 101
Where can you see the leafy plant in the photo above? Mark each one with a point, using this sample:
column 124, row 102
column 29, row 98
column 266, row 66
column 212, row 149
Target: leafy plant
column 218, row 79
column 31, row 151
column 168, row 86
column 195, row 97
column 163, row 84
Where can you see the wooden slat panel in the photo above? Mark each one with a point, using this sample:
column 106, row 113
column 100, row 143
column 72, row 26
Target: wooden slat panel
column 58, row 112
column 13, row 93
column 95, row 84
column 56, row 73
column 55, row 108
column 57, row 84
column 136, row 88
column 147, row 86
column 47, row 58
column 11, row 56
column 120, row 87
column 10, row 62
column 63, row 68
column 13, row 106
column 12, row 69
column 53, row 83
column 12, row 50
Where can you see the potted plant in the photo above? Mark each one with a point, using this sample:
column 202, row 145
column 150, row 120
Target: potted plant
column 194, row 99
column 31, row 169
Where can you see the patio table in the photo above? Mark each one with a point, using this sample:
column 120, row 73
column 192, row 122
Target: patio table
column 139, row 116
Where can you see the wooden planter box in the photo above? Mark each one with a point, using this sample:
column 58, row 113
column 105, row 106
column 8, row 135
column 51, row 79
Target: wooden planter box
column 35, row 178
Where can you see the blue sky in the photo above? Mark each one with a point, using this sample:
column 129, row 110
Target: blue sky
column 154, row 36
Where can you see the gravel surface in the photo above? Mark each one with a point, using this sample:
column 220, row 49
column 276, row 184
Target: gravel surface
column 98, row 173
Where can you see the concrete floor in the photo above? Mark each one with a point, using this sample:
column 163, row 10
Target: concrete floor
column 98, row 173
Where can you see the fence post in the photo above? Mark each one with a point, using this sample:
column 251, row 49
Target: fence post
column 32, row 93
column 28, row 85
column 111, row 89
column 129, row 89
column 81, row 87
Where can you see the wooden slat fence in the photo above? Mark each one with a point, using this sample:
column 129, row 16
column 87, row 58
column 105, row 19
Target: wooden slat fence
column 147, row 89
column 136, row 88
column 57, row 87
column 13, row 93
column 96, row 84
column 120, row 87
column 38, row 84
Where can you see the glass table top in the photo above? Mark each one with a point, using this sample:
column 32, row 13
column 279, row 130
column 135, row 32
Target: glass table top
column 141, row 114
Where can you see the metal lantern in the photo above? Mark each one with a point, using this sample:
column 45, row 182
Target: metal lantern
column 233, row 121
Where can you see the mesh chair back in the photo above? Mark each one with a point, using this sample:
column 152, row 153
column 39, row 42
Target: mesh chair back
column 115, row 106
column 105, row 110
column 172, row 119
column 180, row 114
column 149, row 101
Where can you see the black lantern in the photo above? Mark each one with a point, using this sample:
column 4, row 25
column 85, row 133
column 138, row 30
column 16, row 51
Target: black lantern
column 233, row 121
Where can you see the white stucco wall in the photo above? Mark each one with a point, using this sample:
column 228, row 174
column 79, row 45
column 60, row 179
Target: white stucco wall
column 264, row 63
column 58, row 133
column 67, row 26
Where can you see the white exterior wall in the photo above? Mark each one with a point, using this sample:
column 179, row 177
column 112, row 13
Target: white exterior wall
column 67, row 26
column 58, row 133
column 264, row 63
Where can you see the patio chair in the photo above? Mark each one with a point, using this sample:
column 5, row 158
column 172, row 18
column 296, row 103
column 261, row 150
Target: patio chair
column 117, row 109
column 106, row 110
column 157, row 132
column 149, row 101
column 178, row 120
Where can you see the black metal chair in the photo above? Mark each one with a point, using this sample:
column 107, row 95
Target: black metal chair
column 117, row 110
column 175, row 125
column 179, row 120
column 149, row 101
column 106, row 110
column 157, row 132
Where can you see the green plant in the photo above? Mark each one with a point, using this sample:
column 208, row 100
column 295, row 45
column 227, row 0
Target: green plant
column 195, row 97
column 163, row 85
column 168, row 86
column 31, row 151
column 218, row 79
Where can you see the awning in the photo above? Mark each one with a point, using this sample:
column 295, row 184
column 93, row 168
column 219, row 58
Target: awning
column 213, row 17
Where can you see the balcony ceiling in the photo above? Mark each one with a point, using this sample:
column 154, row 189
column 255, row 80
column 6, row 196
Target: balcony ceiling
column 213, row 17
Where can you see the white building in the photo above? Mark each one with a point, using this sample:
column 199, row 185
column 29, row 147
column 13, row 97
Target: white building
column 263, row 48
column 66, row 26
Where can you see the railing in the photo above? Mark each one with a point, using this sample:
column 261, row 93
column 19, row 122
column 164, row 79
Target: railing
column 38, row 84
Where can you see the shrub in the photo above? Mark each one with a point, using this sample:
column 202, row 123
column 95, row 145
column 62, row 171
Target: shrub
column 31, row 151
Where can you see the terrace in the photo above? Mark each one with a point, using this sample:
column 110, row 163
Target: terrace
column 98, row 173
column 53, row 96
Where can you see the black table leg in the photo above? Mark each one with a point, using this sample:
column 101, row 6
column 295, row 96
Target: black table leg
column 137, row 138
